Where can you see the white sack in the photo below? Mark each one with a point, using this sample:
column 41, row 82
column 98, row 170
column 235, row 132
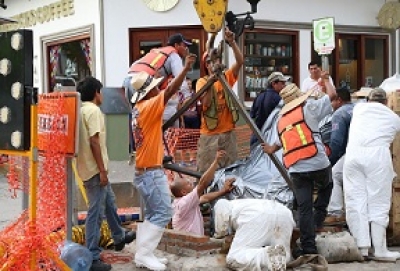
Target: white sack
column 338, row 247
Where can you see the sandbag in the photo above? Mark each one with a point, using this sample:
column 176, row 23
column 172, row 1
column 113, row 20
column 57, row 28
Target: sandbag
column 338, row 247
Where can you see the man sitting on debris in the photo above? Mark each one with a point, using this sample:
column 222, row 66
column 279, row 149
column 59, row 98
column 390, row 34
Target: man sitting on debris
column 187, row 215
column 263, row 230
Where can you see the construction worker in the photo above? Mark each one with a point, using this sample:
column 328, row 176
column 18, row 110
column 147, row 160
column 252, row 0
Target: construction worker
column 166, row 62
column 262, row 228
column 305, row 157
column 341, row 118
column 368, row 174
column 150, row 179
column 219, row 114
column 163, row 62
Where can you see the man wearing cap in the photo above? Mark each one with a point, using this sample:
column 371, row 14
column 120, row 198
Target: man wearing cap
column 165, row 62
column 150, row 179
column 315, row 80
column 219, row 114
column 368, row 173
column 304, row 156
column 266, row 101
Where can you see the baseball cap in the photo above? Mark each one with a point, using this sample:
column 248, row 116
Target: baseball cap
column 177, row 38
column 276, row 76
column 377, row 94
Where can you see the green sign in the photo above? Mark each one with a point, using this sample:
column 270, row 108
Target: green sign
column 324, row 35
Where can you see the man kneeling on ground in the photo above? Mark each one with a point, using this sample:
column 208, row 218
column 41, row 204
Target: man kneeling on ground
column 263, row 230
column 187, row 215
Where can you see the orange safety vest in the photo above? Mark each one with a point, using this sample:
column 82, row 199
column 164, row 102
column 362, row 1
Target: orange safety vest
column 153, row 61
column 297, row 138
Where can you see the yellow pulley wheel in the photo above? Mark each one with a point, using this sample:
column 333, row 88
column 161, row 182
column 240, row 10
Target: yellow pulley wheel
column 211, row 13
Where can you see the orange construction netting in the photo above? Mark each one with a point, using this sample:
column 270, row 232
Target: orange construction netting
column 40, row 237
column 182, row 145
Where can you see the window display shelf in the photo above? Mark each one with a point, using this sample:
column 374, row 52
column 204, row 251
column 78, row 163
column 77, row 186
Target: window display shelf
column 267, row 51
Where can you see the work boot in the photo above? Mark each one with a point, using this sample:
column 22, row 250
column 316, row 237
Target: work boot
column 98, row 265
column 378, row 236
column 129, row 237
column 149, row 235
column 275, row 258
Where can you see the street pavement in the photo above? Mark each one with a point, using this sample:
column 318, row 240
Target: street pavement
column 120, row 172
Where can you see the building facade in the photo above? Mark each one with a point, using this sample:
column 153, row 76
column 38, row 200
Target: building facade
column 74, row 38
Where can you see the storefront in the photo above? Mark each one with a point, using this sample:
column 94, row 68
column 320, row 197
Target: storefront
column 74, row 38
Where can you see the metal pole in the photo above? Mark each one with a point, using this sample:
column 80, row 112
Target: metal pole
column 71, row 214
column 325, row 62
column 254, row 128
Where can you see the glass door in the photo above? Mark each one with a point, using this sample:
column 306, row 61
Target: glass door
column 349, row 64
column 374, row 61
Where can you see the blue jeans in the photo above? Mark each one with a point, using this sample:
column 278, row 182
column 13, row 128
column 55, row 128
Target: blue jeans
column 153, row 188
column 101, row 201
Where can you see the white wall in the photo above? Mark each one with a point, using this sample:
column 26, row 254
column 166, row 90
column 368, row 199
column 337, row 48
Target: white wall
column 86, row 13
column 121, row 15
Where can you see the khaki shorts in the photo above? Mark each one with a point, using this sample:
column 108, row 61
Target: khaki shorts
column 208, row 146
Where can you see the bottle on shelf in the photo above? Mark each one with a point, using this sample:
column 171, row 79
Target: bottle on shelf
column 278, row 50
column 283, row 50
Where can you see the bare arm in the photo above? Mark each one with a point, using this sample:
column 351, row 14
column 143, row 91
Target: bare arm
column 270, row 149
column 330, row 89
column 177, row 82
column 212, row 196
column 228, row 187
column 230, row 38
column 238, row 57
column 207, row 178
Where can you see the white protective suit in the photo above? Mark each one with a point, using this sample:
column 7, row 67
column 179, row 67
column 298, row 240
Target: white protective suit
column 368, row 170
column 335, row 206
column 263, row 233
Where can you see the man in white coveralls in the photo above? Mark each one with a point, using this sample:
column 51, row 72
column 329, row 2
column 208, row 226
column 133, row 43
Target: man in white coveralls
column 263, row 233
column 368, row 174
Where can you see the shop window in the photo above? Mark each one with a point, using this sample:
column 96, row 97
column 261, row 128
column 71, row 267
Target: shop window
column 358, row 61
column 69, row 61
column 266, row 52
column 67, row 58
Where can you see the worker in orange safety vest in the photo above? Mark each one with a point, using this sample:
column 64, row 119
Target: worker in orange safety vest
column 304, row 156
